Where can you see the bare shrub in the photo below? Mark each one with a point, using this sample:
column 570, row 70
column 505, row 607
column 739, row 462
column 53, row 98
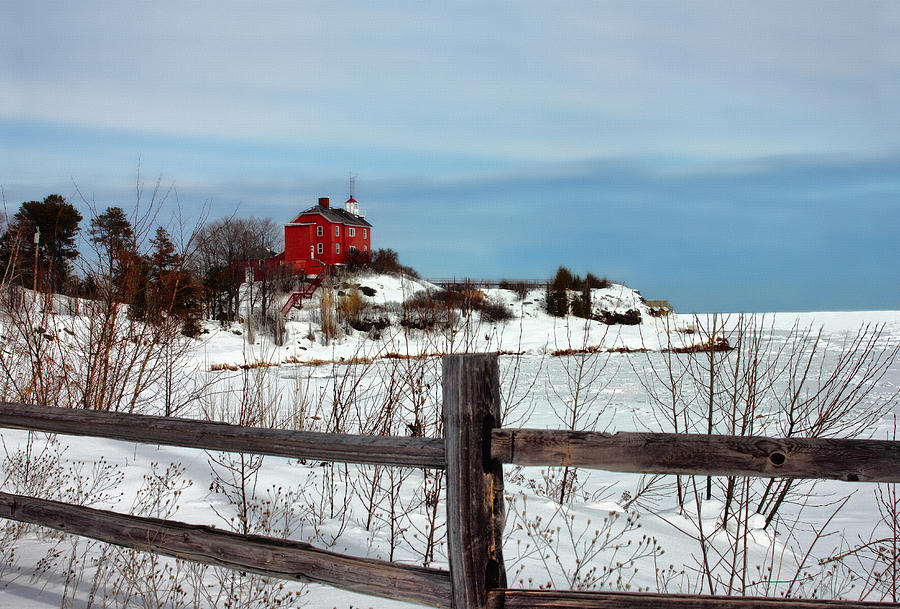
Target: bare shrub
column 604, row 555
column 520, row 288
column 129, row 577
column 108, row 357
column 578, row 405
column 39, row 469
column 350, row 304
column 868, row 567
column 493, row 311
column 796, row 385
column 256, row 403
column 427, row 311
column 631, row 317
column 387, row 261
column 327, row 313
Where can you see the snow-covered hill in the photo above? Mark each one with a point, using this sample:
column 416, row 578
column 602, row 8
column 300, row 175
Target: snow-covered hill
column 530, row 328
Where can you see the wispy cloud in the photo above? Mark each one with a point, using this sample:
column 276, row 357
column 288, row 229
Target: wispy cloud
column 512, row 80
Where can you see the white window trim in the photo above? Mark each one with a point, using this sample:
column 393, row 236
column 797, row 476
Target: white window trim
column 337, row 248
column 319, row 248
column 365, row 233
column 351, row 232
column 320, row 231
column 337, row 230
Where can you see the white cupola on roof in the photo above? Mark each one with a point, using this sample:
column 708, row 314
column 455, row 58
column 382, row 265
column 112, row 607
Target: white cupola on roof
column 352, row 206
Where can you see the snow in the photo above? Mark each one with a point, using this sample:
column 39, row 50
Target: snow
column 532, row 331
column 310, row 376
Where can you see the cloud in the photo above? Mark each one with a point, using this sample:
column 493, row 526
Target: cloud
column 517, row 81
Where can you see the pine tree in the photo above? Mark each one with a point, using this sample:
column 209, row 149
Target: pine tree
column 168, row 290
column 583, row 302
column 557, row 293
column 58, row 223
column 116, row 245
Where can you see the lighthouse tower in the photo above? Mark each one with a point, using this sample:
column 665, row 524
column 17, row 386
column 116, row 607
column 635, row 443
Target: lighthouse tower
column 352, row 206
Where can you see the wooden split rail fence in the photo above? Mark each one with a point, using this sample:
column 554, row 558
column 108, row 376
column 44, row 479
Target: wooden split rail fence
column 472, row 453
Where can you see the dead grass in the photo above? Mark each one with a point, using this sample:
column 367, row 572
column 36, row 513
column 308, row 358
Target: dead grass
column 719, row 344
column 220, row 367
column 247, row 366
column 410, row 356
column 343, row 361
column 320, row 362
column 597, row 349
column 580, row 351
column 628, row 350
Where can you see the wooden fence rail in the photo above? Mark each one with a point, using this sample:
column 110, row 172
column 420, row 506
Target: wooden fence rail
column 651, row 453
column 558, row 599
column 345, row 448
column 472, row 451
column 667, row 453
column 285, row 559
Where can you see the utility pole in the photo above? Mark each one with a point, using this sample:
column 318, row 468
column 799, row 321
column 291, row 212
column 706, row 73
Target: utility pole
column 37, row 244
column 248, row 277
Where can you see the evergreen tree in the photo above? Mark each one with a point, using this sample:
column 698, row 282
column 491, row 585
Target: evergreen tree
column 163, row 258
column 142, row 291
column 581, row 306
column 58, row 223
column 116, row 246
column 167, row 290
column 557, row 293
column 114, row 237
column 594, row 283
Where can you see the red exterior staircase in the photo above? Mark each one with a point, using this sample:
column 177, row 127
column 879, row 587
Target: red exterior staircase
column 307, row 289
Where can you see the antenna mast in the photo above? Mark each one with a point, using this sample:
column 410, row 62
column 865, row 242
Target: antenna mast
column 352, row 206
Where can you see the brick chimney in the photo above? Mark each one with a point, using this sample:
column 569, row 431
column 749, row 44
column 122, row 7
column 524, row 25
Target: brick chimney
column 323, row 202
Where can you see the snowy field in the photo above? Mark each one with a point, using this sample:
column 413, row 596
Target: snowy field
column 565, row 529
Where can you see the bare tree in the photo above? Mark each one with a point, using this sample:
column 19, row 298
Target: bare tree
column 744, row 376
column 224, row 249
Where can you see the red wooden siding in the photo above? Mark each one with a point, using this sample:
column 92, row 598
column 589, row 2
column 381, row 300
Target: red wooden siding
column 335, row 239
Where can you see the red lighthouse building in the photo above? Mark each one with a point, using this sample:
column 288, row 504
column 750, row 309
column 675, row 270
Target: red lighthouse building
column 323, row 235
column 317, row 239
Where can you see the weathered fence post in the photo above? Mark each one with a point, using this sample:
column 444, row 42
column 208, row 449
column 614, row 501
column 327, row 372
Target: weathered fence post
column 475, row 509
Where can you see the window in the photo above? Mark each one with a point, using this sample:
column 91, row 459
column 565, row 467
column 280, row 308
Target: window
column 319, row 248
column 337, row 231
column 351, row 232
column 365, row 248
column 365, row 233
column 337, row 248
column 319, row 231
column 351, row 249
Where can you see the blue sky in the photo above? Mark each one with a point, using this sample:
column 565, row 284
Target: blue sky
column 740, row 156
